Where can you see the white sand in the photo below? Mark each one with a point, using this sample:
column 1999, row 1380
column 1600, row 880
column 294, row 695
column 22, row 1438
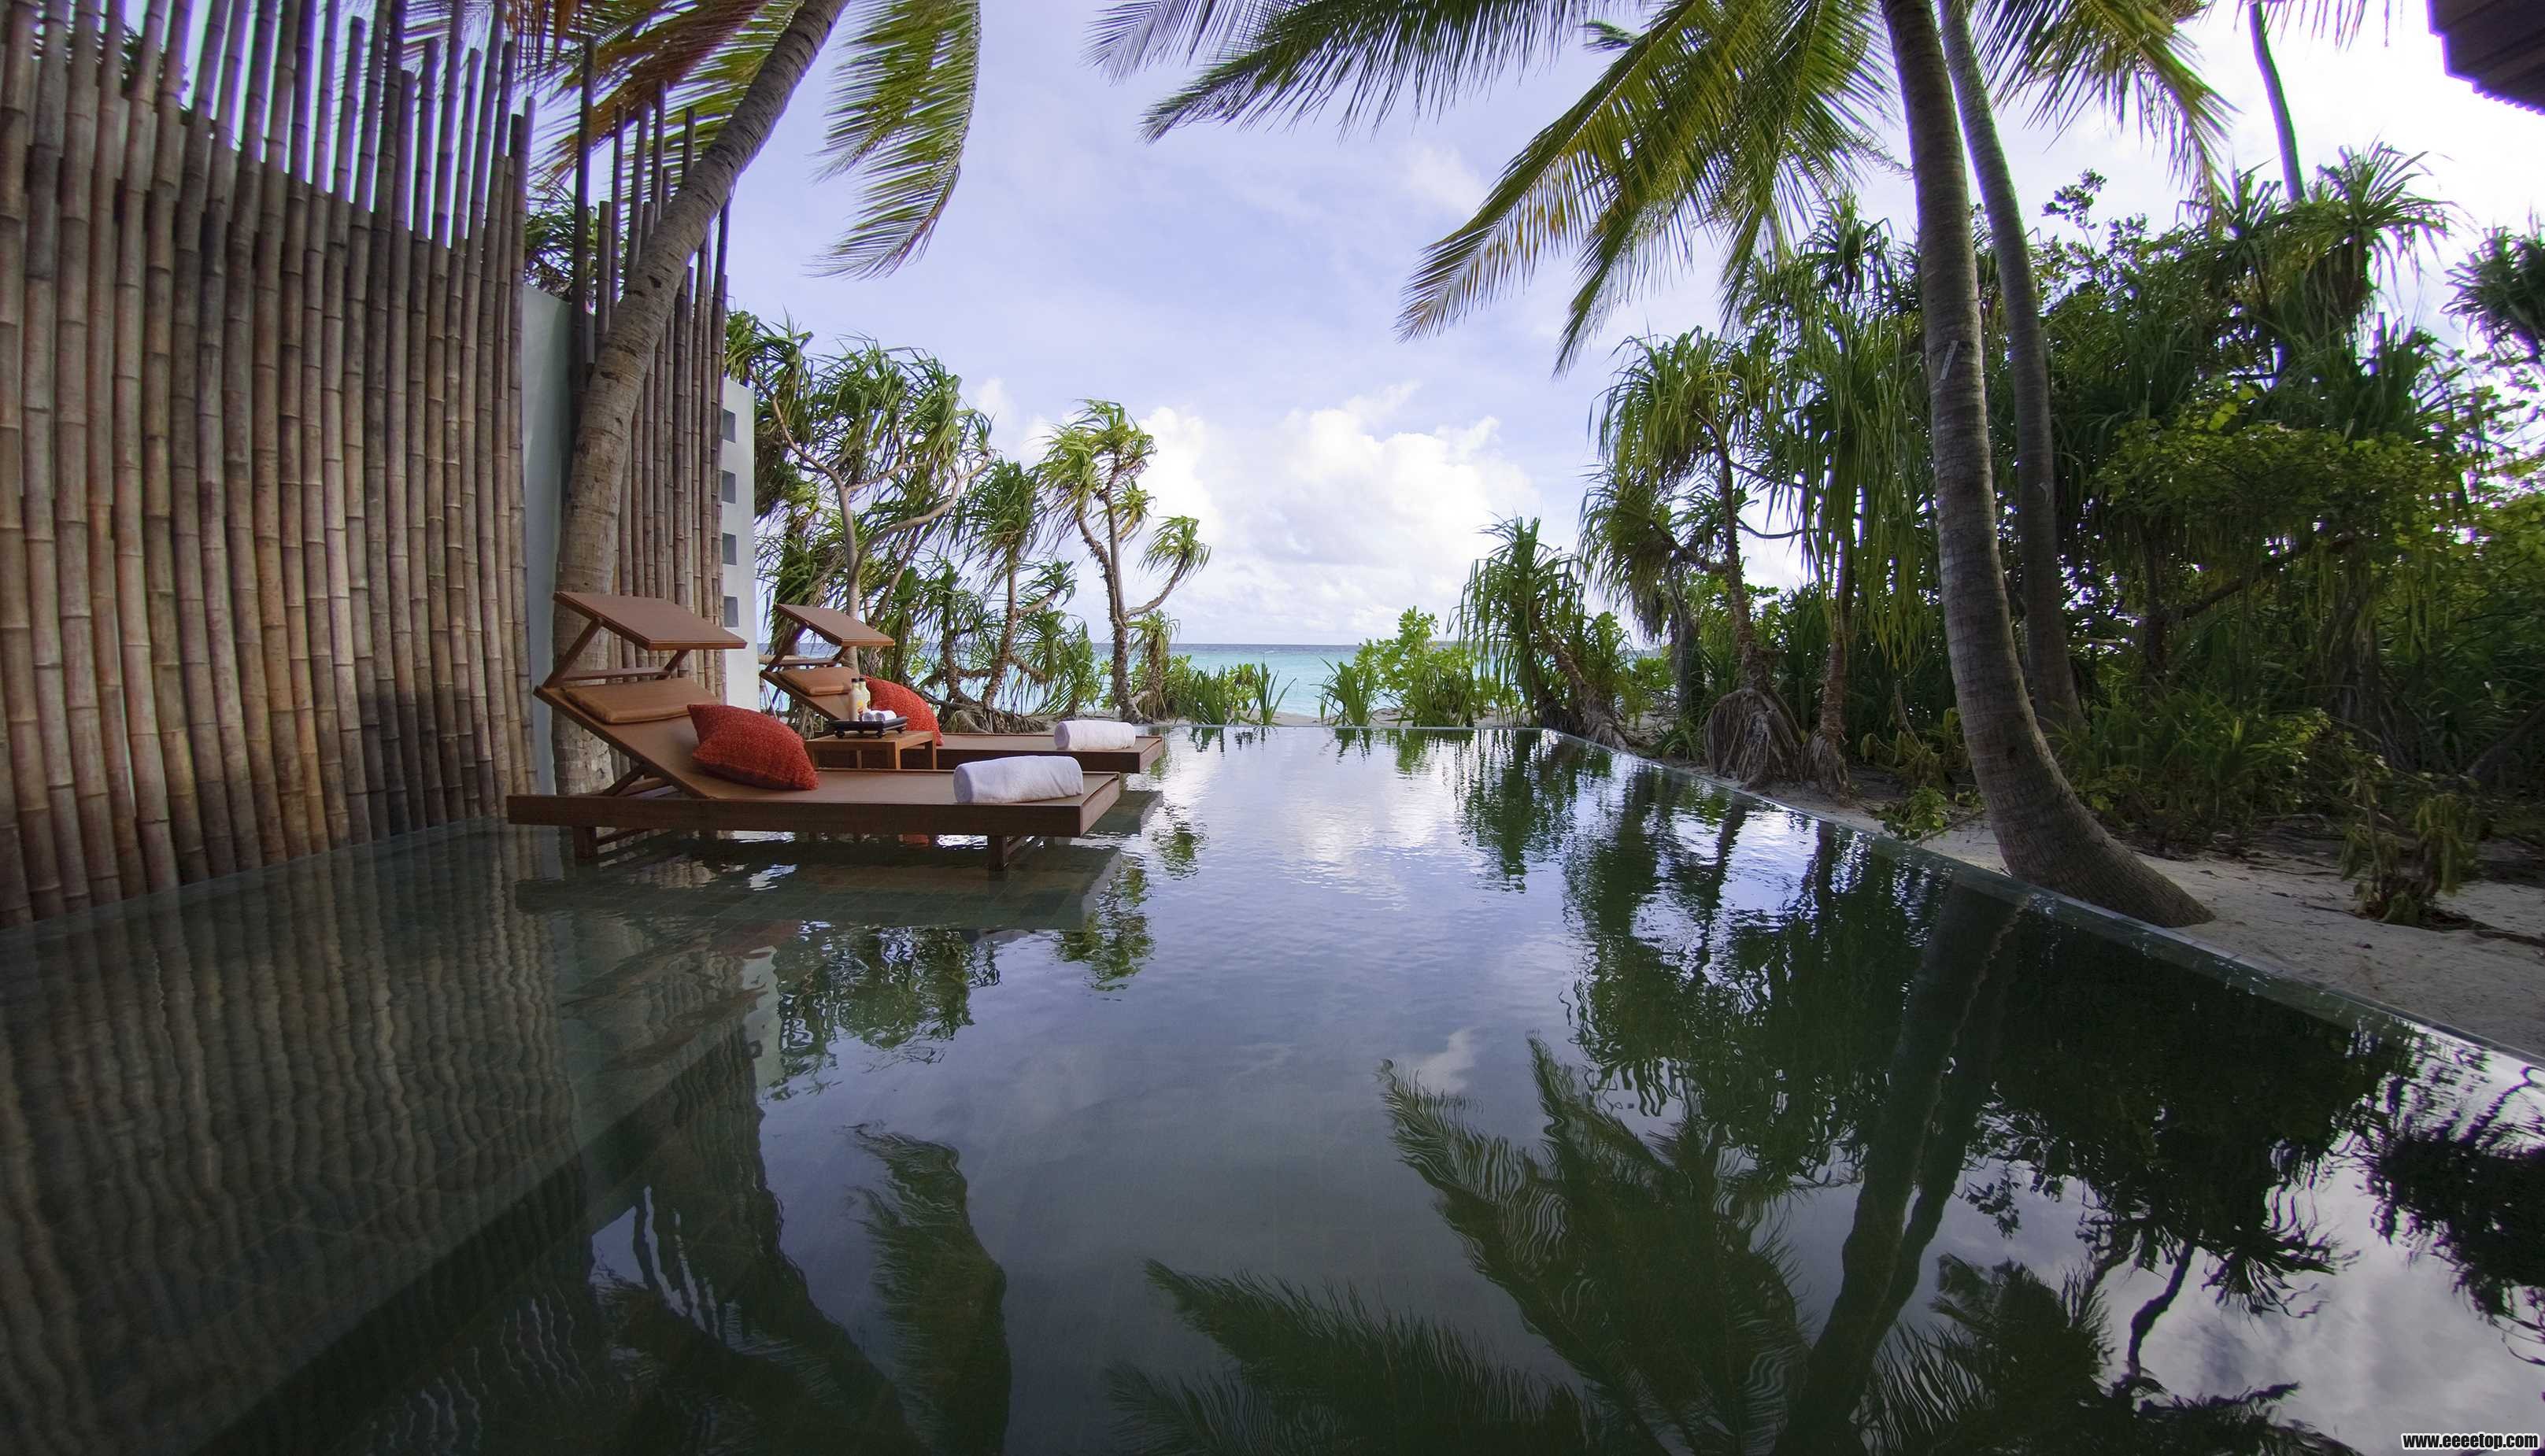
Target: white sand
column 2292, row 914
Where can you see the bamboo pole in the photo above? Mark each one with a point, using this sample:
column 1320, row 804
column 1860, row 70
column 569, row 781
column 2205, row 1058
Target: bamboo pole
column 449, row 698
column 405, row 389
column 282, row 503
column 44, row 552
column 133, row 819
column 32, row 886
column 235, row 663
column 475, row 760
column 488, row 341
column 151, row 266
column 88, row 595
column 377, row 248
column 313, row 614
column 261, row 663
column 337, row 446
column 515, row 585
column 423, row 526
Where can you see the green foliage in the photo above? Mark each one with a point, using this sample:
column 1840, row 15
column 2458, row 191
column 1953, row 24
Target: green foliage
column 1245, row 693
column 2404, row 865
column 1411, row 677
column 2182, row 770
column 1926, row 812
column 1923, row 760
column 1349, row 693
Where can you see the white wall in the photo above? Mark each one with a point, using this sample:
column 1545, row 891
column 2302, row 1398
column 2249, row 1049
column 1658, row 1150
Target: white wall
column 547, row 436
column 741, row 586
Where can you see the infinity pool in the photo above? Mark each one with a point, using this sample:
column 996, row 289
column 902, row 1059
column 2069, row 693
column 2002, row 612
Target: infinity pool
column 1351, row 1092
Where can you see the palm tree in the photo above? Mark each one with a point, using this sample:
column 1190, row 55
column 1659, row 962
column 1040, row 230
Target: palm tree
column 1843, row 443
column 883, row 432
column 1093, row 465
column 2501, row 290
column 1721, row 115
column 898, row 118
column 1668, row 500
column 1003, row 524
column 2119, row 52
column 2042, row 828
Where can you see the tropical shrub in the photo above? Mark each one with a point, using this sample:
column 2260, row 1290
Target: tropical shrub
column 2181, row 770
column 1350, row 691
column 2403, row 872
column 1245, row 693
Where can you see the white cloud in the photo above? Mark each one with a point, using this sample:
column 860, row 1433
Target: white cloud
column 1438, row 175
column 1327, row 522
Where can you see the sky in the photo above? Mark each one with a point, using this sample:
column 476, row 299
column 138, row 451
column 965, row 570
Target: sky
column 1237, row 290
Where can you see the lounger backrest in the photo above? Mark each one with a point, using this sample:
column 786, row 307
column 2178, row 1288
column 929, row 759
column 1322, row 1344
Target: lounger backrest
column 823, row 688
column 648, row 720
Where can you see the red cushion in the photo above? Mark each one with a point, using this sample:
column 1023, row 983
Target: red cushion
column 892, row 698
column 751, row 747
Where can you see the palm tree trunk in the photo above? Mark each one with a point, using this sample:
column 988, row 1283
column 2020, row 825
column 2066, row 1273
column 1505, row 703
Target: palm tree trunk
column 1825, row 756
column 2291, row 175
column 2036, row 483
column 1736, row 591
column 1113, row 606
column 589, row 525
column 2044, row 831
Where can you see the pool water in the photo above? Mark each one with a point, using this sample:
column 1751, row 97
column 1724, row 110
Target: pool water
column 1348, row 1092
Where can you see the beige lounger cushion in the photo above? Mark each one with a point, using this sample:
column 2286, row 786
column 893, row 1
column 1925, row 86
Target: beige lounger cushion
column 645, row 701
column 820, row 682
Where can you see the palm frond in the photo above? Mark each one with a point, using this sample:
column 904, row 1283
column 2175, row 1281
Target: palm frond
column 1726, row 117
column 2128, row 58
column 1289, row 61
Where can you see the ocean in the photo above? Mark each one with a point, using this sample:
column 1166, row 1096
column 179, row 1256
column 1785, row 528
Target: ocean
column 1299, row 668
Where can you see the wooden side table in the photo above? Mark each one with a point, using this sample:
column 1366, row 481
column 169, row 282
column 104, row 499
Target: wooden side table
column 855, row 750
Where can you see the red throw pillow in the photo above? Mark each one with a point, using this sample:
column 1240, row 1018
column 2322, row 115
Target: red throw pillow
column 892, row 698
column 751, row 747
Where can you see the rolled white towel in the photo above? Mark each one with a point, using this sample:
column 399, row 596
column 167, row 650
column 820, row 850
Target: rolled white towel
column 1074, row 735
column 1019, row 780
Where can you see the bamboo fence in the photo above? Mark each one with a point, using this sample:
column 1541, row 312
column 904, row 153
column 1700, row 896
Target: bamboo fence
column 262, row 532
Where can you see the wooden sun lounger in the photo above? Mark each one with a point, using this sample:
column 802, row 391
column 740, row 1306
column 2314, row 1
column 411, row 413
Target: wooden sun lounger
column 821, row 684
column 643, row 713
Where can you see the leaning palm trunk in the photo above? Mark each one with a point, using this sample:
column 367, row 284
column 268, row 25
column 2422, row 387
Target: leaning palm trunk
column 2037, row 488
column 588, row 533
column 2046, row 834
column 2291, row 175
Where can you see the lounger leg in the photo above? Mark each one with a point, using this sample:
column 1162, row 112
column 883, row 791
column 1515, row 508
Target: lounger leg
column 998, row 851
column 587, row 843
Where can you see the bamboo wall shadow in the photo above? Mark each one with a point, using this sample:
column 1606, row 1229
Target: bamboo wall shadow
column 261, row 467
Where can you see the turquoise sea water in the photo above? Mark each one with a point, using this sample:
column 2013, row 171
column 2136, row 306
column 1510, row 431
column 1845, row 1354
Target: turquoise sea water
column 1298, row 668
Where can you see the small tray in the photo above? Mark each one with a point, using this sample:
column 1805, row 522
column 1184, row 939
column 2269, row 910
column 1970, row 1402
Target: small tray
column 867, row 727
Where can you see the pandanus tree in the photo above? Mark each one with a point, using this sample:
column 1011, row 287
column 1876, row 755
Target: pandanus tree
column 1091, row 468
column 1672, row 430
column 1843, row 444
column 897, row 119
column 1717, row 116
column 2500, row 291
column 881, row 437
column 1003, row 524
column 1525, row 611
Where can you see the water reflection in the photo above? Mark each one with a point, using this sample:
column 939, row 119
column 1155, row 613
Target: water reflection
column 1729, row 1133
